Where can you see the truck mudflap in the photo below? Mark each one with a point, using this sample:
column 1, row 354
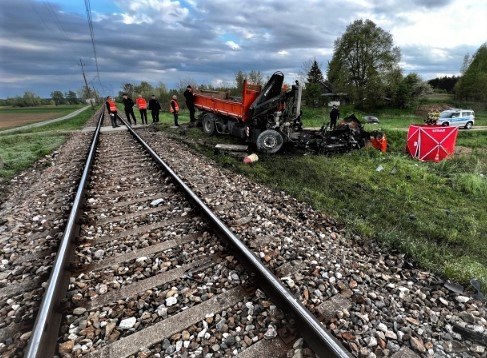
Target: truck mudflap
column 238, row 130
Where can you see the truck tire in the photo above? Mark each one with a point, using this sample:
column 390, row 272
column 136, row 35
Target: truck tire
column 208, row 124
column 269, row 141
column 469, row 125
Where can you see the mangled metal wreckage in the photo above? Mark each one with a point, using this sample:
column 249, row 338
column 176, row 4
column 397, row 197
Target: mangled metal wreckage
column 270, row 116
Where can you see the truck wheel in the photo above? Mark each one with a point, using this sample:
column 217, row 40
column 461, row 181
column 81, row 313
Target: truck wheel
column 208, row 124
column 269, row 141
column 468, row 125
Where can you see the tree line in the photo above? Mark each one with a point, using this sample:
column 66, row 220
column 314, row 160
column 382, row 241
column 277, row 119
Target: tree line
column 365, row 71
column 31, row 99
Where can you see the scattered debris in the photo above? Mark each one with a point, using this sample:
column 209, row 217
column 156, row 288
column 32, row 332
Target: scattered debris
column 252, row 158
column 454, row 287
column 478, row 295
column 156, row 202
column 231, row 148
column 371, row 119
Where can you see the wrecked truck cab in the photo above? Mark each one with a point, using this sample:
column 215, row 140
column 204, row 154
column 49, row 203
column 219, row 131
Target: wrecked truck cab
column 266, row 116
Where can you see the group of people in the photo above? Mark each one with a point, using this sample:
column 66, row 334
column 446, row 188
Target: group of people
column 154, row 106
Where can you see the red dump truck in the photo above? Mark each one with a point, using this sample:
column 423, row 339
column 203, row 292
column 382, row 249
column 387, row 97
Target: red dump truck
column 267, row 117
column 270, row 116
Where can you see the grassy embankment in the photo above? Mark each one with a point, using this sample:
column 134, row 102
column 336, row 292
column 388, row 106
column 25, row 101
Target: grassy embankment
column 435, row 213
column 19, row 150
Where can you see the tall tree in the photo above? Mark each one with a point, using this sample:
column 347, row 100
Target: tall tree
column 362, row 60
column 256, row 77
column 88, row 95
column 445, row 83
column 239, row 79
column 145, row 89
column 71, row 97
column 29, row 99
column 315, row 86
column 410, row 91
column 314, row 74
column 127, row 88
column 472, row 86
column 57, row 97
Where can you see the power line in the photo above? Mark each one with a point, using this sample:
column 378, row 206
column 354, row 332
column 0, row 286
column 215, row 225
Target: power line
column 92, row 34
column 58, row 23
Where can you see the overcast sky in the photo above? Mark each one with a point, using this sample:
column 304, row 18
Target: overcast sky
column 208, row 41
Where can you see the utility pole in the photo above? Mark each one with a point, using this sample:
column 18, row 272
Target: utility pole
column 86, row 84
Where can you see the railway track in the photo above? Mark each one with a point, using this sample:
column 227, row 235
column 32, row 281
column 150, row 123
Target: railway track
column 149, row 274
column 32, row 221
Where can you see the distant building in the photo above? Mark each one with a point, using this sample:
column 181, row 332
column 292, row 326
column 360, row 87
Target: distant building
column 337, row 99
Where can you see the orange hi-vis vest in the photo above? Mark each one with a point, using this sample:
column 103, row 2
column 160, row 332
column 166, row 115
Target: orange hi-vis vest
column 113, row 106
column 141, row 103
column 176, row 106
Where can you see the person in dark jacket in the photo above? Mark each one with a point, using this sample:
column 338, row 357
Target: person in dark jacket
column 154, row 107
column 128, row 103
column 189, row 97
column 334, row 115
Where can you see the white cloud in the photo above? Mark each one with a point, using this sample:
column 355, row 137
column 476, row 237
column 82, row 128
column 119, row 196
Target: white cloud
column 150, row 11
column 460, row 23
column 232, row 45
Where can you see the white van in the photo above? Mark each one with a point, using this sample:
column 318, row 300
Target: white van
column 457, row 118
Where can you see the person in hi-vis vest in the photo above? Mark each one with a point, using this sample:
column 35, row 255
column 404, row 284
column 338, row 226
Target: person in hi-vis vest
column 112, row 111
column 142, row 105
column 174, row 108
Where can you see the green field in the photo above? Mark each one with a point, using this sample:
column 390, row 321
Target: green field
column 61, row 109
column 435, row 213
column 21, row 149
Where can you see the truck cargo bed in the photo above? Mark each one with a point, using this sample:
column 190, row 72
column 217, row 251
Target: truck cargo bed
column 226, row 107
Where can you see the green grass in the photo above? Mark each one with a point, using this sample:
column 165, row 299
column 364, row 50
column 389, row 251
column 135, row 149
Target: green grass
column 435, row 213
column 20, row 152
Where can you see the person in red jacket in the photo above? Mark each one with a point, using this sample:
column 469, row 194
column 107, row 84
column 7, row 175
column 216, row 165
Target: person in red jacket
column 112, row 111
column 142, row 104
column 174, row 108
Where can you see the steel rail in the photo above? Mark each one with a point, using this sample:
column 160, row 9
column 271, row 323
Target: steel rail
column 40, row 343
column 322, row 342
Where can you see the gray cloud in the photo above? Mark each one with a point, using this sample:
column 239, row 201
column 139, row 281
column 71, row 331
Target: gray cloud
column 41, row 43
